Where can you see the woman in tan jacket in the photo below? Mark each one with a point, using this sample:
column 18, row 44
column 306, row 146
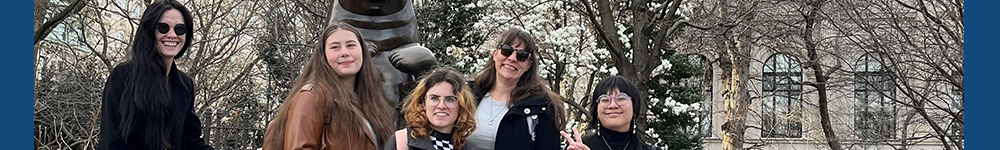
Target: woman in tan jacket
column 337, row 101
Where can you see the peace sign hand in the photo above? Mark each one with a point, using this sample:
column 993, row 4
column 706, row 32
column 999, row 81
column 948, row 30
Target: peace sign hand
column 574, row 144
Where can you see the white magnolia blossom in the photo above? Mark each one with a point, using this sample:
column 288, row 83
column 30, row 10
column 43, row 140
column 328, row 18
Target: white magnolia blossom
column 664, row 66
column 653, row 6
column 652, row 133
column 622, row 36
column 591, row 67
column 602, row 53
column 676, row 108
column 544, row 71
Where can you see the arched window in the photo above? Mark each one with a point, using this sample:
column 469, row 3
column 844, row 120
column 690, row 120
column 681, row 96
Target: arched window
column 782, row 116
column 704, row 83
column 874, row 112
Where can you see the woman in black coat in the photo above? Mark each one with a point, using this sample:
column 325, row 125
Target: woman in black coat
column 516, row 110
column 148, row 103
column 615, row 105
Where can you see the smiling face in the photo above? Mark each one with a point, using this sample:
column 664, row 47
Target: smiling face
column 441, row 107
column 170, row 43
column 344, row 52
column 614, row 115
column 508, row 68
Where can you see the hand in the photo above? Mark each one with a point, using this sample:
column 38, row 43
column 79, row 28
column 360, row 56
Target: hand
column 574, row 144
column 412, row 59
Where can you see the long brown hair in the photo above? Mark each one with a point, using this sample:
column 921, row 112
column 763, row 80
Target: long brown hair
column 414, row 107
column 342, row 113
column 530, row 84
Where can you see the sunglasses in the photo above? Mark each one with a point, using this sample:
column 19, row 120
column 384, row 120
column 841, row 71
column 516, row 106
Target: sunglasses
column 506, row 50
column 179, row 29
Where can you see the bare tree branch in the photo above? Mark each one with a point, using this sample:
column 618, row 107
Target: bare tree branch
column 44, row 30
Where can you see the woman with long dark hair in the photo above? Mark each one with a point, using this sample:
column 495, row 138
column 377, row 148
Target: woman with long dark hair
column 148, row 103
column 440, row 114
column 615, row 105
column 337, row 101
column 516, row 110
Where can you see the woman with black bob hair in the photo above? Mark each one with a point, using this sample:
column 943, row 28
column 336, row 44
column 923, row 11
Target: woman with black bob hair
column 615, row 99
column 148, row 103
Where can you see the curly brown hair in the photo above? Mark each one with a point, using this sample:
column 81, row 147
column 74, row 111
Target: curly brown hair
column 413, row 110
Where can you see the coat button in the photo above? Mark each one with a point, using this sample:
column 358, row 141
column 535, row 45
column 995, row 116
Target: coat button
column 543, row 108
column 527, row 111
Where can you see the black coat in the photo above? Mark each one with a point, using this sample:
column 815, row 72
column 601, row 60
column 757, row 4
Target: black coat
column 597, row 142
column 513, row 132
column 186, row 133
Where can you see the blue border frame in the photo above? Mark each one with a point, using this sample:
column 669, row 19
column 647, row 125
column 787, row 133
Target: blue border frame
column 19, row 86
column 981, row 70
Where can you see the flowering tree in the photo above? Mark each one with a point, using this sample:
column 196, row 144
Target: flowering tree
column 574, row 58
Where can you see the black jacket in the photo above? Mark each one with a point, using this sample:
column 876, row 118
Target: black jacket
column 513, row 132
column 617, row 139
column 186, row 133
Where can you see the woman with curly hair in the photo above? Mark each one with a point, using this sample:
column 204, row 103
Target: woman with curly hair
column 440, row 114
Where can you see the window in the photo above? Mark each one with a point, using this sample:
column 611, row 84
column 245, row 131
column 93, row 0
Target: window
column 874, row 110
column 782, row 116
column 704, row 83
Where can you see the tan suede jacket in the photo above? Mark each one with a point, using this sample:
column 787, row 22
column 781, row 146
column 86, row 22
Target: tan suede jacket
column 307, row 129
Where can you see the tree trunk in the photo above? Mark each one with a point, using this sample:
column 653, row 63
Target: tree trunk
column 812, row 18
column 824, row 110
column 645, row 45
column 735, row 94
column 40, row 10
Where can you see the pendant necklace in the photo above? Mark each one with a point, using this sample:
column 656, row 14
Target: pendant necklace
column 609, row 145
column 497, row 112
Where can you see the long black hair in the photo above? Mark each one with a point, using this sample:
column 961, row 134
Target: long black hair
column 146, row 104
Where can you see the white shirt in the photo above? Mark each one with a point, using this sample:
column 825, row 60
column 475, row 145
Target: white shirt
column 484, row 136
